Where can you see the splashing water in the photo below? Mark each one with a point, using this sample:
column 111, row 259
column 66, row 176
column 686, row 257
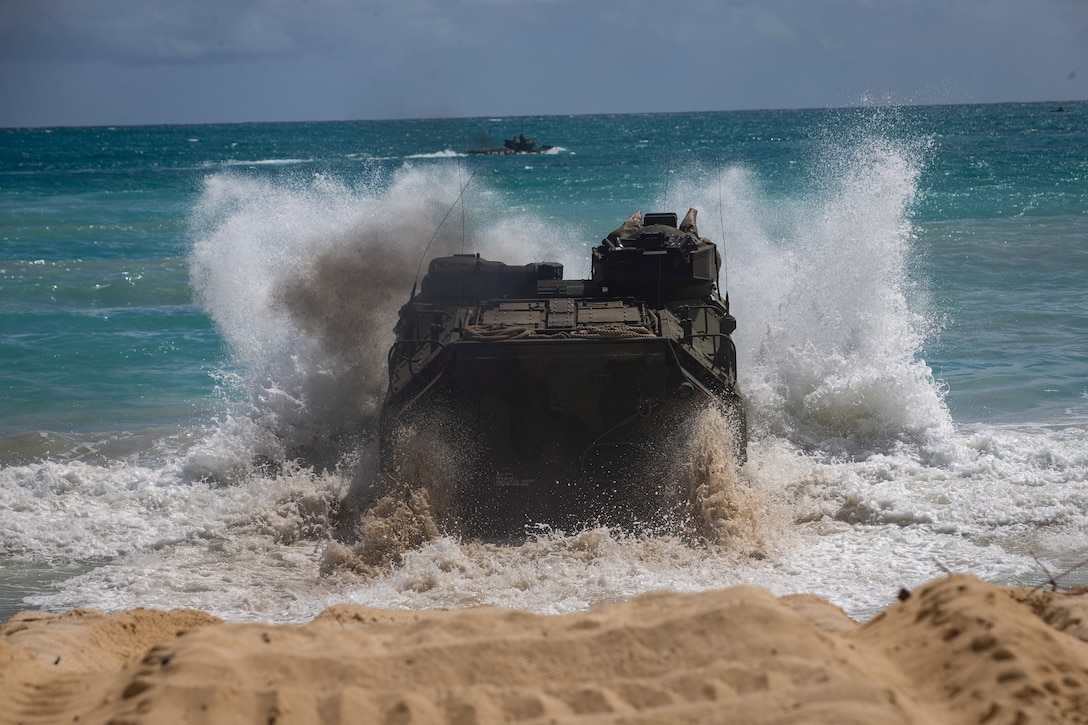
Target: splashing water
column 856, row 484
column 304, row 281
column 722, row 507
column 831, row 325
column 829, row 340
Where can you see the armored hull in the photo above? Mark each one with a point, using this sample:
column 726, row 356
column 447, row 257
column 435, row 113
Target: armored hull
column 515, row 145
column 562, row 402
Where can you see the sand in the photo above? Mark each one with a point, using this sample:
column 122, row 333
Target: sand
column 956, row 650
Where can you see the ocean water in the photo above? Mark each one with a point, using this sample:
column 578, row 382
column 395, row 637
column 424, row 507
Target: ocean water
column 194, row 319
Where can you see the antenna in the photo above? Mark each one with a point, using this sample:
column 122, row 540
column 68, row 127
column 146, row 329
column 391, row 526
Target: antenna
column 668, row 172
column 460, row 197
column 721, row 221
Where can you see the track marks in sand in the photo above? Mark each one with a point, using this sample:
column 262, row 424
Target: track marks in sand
column 957, row 650
column 57, row 666
column 992, row 654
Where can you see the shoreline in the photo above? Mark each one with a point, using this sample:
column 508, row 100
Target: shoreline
column 954, row 650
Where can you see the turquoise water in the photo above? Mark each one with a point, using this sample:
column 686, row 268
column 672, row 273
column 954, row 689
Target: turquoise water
column 909, row 285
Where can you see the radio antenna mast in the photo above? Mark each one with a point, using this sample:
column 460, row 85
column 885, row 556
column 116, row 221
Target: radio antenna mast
column 460, row 198
column 721, row 222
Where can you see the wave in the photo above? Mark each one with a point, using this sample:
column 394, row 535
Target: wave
column 857, row 483
column 261, row 162
column 304, row 280
column 831, row 324
column 444, row 154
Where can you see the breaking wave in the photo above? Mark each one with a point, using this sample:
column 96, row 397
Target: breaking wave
column 832, row 323
column 304, row 279
column 856, row 483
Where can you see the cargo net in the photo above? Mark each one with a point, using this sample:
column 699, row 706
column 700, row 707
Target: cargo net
column 611, row 331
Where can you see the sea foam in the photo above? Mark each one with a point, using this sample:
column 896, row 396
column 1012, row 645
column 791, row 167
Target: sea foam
column 857, row 481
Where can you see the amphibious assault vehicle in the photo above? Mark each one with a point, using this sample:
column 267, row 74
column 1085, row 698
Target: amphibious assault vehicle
column 556, row 401
column 516, row 145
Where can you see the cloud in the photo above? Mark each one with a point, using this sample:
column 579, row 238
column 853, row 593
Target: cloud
column 147, row 31
column 155, row 31
column 153, row 61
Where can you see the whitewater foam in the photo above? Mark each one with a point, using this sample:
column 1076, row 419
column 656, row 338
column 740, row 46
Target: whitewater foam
column 857, row 483
column 304, row 279
column 854, row 464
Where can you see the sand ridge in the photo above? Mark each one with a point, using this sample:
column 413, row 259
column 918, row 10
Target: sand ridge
column 956, row 650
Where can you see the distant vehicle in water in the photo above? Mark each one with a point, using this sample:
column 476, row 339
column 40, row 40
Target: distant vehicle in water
column 561, row 402
column 516, row 145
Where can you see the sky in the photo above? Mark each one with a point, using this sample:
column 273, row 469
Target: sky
column 126, row 62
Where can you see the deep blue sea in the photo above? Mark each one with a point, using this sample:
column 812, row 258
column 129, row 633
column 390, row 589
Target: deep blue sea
column 910, row 285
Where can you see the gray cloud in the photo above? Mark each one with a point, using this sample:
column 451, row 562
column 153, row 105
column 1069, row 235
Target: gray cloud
column 131, row 31
column 147, row 61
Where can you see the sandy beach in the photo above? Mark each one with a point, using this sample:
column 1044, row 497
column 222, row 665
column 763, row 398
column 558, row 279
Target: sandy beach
column 956, row 650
